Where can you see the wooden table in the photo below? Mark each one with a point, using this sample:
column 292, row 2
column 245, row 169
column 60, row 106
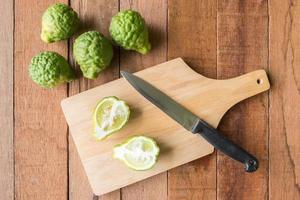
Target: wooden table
column 217, row 38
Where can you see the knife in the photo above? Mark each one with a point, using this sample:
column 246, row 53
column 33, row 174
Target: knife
column 191, row 122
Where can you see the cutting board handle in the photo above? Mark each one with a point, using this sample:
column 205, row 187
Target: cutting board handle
column 248, row 85
column 234, row 90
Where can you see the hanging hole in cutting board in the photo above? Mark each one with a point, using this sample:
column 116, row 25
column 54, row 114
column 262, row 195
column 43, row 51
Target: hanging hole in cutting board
column 259, row 81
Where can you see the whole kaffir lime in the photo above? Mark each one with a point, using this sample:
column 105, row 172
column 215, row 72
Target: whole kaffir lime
column 93, row 52
column 59, row 22
column 128, row 29
column 49, row 69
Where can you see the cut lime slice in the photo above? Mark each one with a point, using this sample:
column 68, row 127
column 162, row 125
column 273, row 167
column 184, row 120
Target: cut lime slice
column 110, row 115
column 137, row 152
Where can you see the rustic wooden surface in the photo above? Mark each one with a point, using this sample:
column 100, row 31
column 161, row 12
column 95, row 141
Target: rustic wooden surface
column 218, row 38
column 284, row 134
column 6, row 101
column 242, row 45
column 40, row 134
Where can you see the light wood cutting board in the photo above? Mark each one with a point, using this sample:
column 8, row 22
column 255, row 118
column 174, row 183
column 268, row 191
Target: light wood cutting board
column 208, row 98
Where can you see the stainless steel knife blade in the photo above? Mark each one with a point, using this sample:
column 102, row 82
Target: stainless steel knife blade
column 173, row 109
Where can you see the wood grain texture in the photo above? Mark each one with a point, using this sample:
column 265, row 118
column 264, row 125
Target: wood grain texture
column 133, row 61
column 6, row 100
column 242, row 45
column 94, row 15
column 192, row 35
column 40, row 130
column 284, row 100
column 178, row 146
column 218, row 47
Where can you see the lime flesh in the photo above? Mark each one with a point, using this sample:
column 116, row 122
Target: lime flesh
column 110, row 115
column 138, row 152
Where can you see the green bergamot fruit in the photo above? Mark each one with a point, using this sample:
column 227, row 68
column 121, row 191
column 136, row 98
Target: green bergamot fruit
column 128, row 29
column 49, row 69
column 59, row 22
column 93, row 52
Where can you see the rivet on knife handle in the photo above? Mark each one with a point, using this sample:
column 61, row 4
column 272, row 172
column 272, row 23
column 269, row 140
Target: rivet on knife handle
column 225, row 145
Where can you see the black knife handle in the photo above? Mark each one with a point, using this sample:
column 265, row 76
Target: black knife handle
column 225, row 145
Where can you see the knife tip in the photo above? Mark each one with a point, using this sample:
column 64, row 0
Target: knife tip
column 123, row 73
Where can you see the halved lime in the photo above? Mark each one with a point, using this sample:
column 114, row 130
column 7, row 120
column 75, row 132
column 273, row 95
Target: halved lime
column 137, row 152
column 110, row 115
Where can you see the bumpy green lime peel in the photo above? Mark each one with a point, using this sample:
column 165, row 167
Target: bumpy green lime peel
column 49, row 69
column 128, row 29
column 59, row 22
column 93, row 52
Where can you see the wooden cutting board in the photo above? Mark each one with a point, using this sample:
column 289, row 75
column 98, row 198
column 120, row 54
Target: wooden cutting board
column 208, row 98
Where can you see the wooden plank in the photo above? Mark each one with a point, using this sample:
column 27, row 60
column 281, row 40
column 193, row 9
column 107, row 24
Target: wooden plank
column 242, row 47
column 192, row 35
column 40, row 129
column 132, row 61
column 94, row 15
column 284, row 100
column 6, row 100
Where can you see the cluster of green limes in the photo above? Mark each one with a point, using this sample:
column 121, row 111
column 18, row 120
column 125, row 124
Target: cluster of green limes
column 92, row 51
